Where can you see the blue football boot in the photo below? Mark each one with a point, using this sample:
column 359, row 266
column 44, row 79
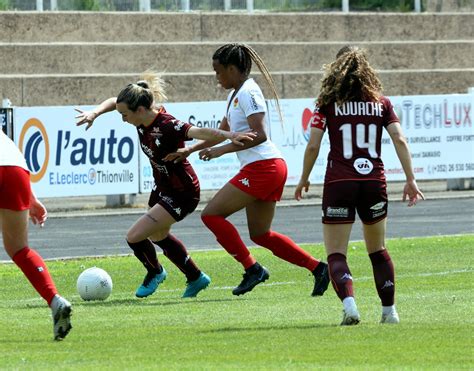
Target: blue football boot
column 193, row 287
column 150, row 283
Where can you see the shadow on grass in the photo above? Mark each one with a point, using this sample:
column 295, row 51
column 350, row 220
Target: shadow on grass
column 141, row 302
column 271, row 328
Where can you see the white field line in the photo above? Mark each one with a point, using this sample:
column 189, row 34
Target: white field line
column 360, row 279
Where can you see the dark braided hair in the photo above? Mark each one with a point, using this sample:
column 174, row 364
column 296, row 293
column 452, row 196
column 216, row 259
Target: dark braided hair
column 242, row 56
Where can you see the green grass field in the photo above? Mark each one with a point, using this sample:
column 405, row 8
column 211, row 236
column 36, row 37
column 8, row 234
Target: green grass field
column 276, row 326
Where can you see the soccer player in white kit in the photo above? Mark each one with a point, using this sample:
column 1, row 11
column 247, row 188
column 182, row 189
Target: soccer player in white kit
column 260, row 182
column 352, row 109
column 17, row 200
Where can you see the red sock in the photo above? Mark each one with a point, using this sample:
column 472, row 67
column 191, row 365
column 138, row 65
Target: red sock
column 284, row 247
column 340, row 274
column 384, row 275
column 34, row 268
column 228, row 236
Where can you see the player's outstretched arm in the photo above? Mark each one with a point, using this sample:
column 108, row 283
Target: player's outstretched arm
column 88, row 117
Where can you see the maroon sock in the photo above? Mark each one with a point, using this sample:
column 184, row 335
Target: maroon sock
column 34, row 268
column 340, row 274
column 284, row 247
column 228, row 236
column 384, row 275
column 175, row 251
column 146, row 253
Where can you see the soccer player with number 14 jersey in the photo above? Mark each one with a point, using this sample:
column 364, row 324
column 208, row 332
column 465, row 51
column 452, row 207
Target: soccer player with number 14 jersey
column 351, row 108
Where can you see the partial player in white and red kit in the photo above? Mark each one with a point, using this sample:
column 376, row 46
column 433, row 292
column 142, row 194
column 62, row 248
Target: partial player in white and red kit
column 261, row 179
column 176, row 190
column 17, row 201
column 353, row 111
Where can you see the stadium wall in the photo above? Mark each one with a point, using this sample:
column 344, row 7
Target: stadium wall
column 68, row 58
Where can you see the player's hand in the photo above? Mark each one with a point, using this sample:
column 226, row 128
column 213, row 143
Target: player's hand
column 302, row 185
column 38, row 212
column 412, row 192
column 85, row 117
column 180, row 155
column 208, row 154
column 240, row 138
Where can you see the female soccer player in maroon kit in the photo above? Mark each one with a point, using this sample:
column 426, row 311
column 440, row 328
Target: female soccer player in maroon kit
column 17, row 201
column 353, row 110
column 176, row 191
column 260, row 182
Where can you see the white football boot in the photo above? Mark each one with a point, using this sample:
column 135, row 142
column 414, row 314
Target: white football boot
column 61, row 311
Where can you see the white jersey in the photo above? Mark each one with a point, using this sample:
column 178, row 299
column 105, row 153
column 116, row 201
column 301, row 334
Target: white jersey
column 249, row 100
column 10, row 155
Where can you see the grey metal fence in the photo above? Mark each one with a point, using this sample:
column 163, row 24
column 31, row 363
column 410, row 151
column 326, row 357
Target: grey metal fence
column 235, row 5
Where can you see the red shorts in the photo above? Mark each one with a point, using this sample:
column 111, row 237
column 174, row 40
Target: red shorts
column 342, row 199
column 264, row 179
column 15, row 188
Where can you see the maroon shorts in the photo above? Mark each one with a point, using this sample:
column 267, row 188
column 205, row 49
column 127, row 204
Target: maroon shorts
column 177, row 204
column 15, row 188
column 342, row 199
column 263, row 179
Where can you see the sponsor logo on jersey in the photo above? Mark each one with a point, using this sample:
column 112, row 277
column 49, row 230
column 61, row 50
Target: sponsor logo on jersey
column 34, row 143
column 337, row 212
column 253, row 102
column 378, row 206
column 147, row 150
column 363, row 166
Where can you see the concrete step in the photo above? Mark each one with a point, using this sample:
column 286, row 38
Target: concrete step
column 215, row 26
column 79, row 58
column 45, row 90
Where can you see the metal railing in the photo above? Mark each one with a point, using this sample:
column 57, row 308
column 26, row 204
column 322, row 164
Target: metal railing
column 212, row 5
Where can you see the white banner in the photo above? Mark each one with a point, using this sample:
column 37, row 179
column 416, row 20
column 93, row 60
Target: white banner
column 213, row 174
column 66, row 160
column 438, row 128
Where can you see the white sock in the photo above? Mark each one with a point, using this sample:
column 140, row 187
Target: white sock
column 349, row 304
column 388, row 310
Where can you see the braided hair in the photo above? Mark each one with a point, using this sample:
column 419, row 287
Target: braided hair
column 241, row 56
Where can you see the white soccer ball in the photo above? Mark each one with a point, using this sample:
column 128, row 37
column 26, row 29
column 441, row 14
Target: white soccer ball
column 94, row 284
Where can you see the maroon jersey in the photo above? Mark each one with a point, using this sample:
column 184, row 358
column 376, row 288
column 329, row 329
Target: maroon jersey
column 355, row 137
column 165, row 135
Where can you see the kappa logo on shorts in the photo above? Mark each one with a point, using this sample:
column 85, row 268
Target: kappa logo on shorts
column 378, row 206
column 177, row 211
column 245, row 182
column 337, row 212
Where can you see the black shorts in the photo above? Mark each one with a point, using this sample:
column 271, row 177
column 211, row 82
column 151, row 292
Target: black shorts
column 342, row 199
column 178, row 204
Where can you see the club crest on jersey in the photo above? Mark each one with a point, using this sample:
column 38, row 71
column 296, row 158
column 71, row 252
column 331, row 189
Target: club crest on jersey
column 363, row 166
column 236, row 102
